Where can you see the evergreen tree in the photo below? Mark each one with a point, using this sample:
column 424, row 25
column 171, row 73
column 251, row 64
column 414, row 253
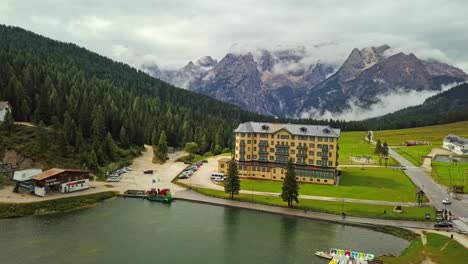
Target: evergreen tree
column 290, row 187
column 232, row 181
column 162, row 146
column 385, row 149
column 92, row 162
column 99, row 126
column 123, row 137
column 109, row 148
column 378, row 147
column 69, row 129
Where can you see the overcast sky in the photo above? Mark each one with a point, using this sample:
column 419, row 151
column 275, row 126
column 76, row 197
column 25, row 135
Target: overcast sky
column 172, row 32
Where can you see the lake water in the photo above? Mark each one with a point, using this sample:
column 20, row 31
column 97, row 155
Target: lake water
column 138, row 231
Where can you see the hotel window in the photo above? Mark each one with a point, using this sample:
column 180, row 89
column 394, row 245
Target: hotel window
column 272, row 136
column 311, row 179
column 255, row 141
column 332, row 139
column 292, row 144
column 274, row 170
column 248, row 134
column 274, row 177
column 304, row 179
column 320, row 139
column 329, row 154
column 255, row 148
column 254, row 157
column 311, row 153
column 293, row 137
column 312, row 145
column 319, row 154
column 311, row 138
column 242, row 134
column 319, row 146
column 331, row 147
column 272, row 158
column 282, row 171
column 259, row 169
column 272, row 150
column 311, row 162
column 272, row 142
column 268, row 169
column 248, row 156
column 263, row 169
column 319, row 162
column 248, row 148
column 330, row 163
column 293, row 160
column 293, row 151
column 278, row 136
column 325, row 139
column 249, row 141
column 282, row 177
column 318, row 180
column 325, row 180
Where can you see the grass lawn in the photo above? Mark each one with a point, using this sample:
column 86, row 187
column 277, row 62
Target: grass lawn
column 352, row 144
column 370, row 184
column 413, row 154
column 441, row 172
column 439, row 249
column 351, row 209
column 434, row 134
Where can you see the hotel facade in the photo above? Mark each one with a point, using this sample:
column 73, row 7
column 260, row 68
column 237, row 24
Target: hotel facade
column 262, row 151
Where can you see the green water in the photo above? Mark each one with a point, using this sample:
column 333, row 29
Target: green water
column 138, row 231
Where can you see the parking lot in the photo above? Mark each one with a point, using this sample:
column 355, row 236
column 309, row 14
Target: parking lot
column 201, row 177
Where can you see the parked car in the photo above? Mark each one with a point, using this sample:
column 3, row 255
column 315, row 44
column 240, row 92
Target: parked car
column 446, row 201
column 216, row 174
column 219, row 179
column 187, row 162
column 148, row 172
column 183, row 176
column 113, row 179
column 443, row 225
column 204, row 161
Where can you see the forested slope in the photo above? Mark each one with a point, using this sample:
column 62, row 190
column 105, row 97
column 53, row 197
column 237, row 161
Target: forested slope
column 87, row 97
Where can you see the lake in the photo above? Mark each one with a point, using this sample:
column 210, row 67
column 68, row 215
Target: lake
column 138, row 231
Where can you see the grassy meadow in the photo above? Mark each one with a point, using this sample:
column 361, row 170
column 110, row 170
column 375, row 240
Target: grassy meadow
column 434, row 134
column 443, row 171
column 439, row 249
column 414, row 154
column 382, row 184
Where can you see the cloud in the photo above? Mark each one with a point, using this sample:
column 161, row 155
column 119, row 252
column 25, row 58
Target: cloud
column 177, row 31
column 388, row 103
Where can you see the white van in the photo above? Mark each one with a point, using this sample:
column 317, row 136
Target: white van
column 216, row 174
column 219, row 179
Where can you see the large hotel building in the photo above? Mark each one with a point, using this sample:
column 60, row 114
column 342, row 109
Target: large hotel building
column 263, row 149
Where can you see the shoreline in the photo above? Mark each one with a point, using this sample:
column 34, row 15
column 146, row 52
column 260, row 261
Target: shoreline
column 52, row 206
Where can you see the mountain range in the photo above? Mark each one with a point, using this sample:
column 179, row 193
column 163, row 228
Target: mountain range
column 288, row 83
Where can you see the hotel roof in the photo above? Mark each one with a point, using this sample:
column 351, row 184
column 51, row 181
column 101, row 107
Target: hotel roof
column 456, row 139
column 295, row 129
column 53, row 172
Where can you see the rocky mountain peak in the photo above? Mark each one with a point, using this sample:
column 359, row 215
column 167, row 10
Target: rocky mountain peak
column 206, row 61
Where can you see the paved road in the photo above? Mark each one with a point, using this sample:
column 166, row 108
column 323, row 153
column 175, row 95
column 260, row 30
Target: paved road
column 190, row 195
column 434, row 192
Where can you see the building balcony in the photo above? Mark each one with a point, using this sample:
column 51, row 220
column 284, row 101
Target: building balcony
column 301, row 154
column 302, row 147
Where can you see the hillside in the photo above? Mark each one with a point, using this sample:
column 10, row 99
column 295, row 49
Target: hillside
column 89, row 99
column 446, row 107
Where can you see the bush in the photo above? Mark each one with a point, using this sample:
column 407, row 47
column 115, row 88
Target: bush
column 227, row 150
column 208, row 154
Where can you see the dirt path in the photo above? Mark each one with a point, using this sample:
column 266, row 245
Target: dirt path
column 135, row 179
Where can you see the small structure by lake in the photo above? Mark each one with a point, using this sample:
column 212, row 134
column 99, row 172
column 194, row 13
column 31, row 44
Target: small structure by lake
column 60, row 180
column 456, row 144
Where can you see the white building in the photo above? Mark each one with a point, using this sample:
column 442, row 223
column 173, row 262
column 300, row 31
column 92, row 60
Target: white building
column 4, row 107
column 456, row 144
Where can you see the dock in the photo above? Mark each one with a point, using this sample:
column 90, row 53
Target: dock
column 134, row 194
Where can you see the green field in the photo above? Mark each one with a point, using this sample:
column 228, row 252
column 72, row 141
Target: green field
column 370, row 184
column 439, row 249
column 434, row 134
column 352, row 144
column 443, row 171
column 414, row 154
column 350, row 209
